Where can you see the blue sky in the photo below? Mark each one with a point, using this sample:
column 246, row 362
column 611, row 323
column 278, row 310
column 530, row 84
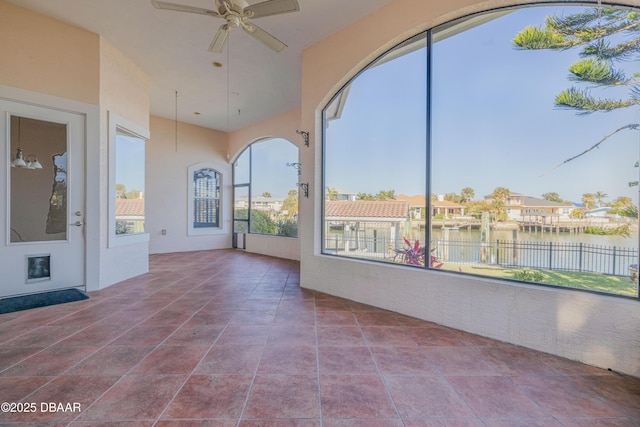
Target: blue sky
column 494, row 122
column 130, row 155
column 270, row 172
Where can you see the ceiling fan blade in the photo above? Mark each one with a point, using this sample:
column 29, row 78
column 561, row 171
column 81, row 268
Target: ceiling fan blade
column 259, row 34
column 182, row 8
column 271, row 7
column 217, row 44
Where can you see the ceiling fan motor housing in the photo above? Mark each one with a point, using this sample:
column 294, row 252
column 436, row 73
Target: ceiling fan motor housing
column 235, row 6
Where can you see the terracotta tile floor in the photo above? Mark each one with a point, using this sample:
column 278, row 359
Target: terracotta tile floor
column 225, row 338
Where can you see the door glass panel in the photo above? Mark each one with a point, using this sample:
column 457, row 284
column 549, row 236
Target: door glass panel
column 38, row 184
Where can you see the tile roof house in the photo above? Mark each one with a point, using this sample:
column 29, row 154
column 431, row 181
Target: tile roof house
column 367, row 210
column 129, row 216
column 129, row 208
column 447, row 208
column 371, row 226
column 438, row 206
column 526, row 208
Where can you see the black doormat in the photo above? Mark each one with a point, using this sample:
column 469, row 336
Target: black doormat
column 26, row 302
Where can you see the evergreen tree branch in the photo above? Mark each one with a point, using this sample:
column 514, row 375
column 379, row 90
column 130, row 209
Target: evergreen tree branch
column 631, row 126
column 577, row 99
column 586, row 28
column 597, row 71
column 603, row 51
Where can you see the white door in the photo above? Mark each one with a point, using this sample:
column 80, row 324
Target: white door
column 42, row 245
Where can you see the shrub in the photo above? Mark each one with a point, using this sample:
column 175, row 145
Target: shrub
column 529, row 275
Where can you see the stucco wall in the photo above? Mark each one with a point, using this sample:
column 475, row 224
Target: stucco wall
column 167, row 185
column 33, row 43
column 124, row 92
column 596, row 329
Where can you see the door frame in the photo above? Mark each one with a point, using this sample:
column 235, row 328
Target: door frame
column 92, row 181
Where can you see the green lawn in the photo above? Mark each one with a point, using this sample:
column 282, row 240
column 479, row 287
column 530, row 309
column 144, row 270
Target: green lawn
column 592, row 281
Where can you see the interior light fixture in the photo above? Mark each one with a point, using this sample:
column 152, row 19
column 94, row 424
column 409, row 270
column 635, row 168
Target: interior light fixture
column 20, row 161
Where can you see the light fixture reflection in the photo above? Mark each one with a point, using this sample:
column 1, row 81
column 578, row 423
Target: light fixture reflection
column 19, row 160
column 30, row 162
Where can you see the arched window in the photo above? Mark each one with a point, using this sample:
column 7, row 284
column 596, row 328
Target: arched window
column 205, row 185
column 265, row 181
column 479, row 136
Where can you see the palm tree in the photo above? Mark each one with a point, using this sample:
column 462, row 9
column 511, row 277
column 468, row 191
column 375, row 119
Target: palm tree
column 497, row 208
column 290, row 204
column 622, row 201
column 467, row 194
column 599, row 196
column 386, row 195
column 588, row 200
column 331, row 194
column 552, row 196
column 501, row 193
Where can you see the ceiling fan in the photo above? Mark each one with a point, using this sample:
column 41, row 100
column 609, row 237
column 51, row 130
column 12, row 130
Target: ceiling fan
column 237, row 13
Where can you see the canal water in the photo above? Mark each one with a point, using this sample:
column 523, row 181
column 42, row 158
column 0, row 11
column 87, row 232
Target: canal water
column 530, row 236
column 554, row 251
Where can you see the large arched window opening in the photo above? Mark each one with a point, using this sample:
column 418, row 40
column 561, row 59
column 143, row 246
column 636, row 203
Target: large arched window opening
column 265, row 179
column 476, row 138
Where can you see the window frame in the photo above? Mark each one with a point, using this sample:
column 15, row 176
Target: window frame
column 333, row 108
column 118, row 123
column 248, row 150
column 203, row 231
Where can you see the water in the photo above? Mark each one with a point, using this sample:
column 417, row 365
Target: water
column 553, row 251
column 530, row 236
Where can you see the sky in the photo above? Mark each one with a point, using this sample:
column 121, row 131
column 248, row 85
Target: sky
column 494, row 122
column 130, row 155
column 269, row 169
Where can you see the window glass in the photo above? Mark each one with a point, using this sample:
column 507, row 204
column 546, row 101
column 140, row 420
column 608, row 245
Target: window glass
column 375, row 160
column 267, row 203
column 514, row 143
column 502, row 143
column 129, row 183
column 38, row 196
column 242, row 168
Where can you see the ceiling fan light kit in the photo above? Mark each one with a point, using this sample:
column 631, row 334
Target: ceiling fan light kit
column 236, row 13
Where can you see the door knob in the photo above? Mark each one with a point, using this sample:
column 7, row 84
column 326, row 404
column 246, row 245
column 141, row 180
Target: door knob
column 78, row 213
column 77, row 224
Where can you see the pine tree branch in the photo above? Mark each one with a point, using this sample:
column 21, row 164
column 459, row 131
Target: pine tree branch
column 580, row 99
column 631, row 126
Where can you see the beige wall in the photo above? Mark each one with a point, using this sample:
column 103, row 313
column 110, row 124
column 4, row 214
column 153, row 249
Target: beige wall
column 282, row 126
column 595, row 329
column 33, row 44
column 124, row 92
column 167, row 184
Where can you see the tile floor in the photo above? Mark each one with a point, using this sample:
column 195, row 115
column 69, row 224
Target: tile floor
column 225, row 338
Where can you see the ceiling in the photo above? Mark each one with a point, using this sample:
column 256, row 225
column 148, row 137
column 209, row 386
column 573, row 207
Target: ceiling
column 254, row 82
